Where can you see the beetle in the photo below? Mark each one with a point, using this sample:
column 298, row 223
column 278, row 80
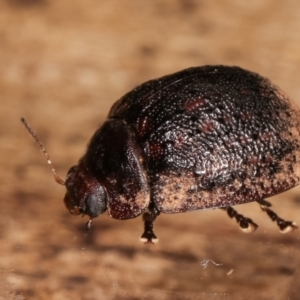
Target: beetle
column 202, row 138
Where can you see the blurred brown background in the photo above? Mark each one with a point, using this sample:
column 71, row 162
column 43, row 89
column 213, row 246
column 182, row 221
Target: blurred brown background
column 62, row 65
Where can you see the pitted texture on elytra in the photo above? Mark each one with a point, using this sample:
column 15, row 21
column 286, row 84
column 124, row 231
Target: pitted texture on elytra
column 213, row 136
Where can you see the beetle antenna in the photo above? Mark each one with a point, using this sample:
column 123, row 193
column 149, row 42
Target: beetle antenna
column 43, row 149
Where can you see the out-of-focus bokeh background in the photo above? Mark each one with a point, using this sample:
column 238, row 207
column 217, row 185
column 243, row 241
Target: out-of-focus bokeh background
column 62, row 65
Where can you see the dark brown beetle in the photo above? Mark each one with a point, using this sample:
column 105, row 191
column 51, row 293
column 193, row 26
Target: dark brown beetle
column 205, row 137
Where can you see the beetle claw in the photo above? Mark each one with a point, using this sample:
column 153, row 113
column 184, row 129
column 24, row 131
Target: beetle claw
column 148, row 237
column 287, row 226
column 247, row 225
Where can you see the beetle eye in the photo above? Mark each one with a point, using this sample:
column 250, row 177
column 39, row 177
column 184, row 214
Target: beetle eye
column 95, row 205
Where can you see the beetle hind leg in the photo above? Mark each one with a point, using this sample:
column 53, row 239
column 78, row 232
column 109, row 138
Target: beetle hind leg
column 246, row 224
column 284, row 226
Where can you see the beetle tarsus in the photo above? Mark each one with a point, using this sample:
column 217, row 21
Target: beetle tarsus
column 246, row 224
column 148, row 237
column 284, row 226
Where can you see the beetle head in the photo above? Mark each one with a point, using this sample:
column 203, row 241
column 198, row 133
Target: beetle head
column 85, row 194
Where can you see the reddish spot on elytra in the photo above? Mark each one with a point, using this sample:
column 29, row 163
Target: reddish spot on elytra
column 245, row 91
column 244, row 139
column 267, row 136
column 253, row 160
column 268, row 159
column 228, row 119
column 207, row 126
column 230, row 141
column 246, row 116
column 179, row 140
column 195, row 103
column 143, row 126
column 156, row 150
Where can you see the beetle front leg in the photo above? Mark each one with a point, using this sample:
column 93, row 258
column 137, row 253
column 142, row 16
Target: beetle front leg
column 148, row 237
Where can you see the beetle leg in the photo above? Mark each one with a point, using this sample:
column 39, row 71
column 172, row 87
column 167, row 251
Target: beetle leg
column 148, row 237
column 264, row 203
column 246, row 224
column 284, row 226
